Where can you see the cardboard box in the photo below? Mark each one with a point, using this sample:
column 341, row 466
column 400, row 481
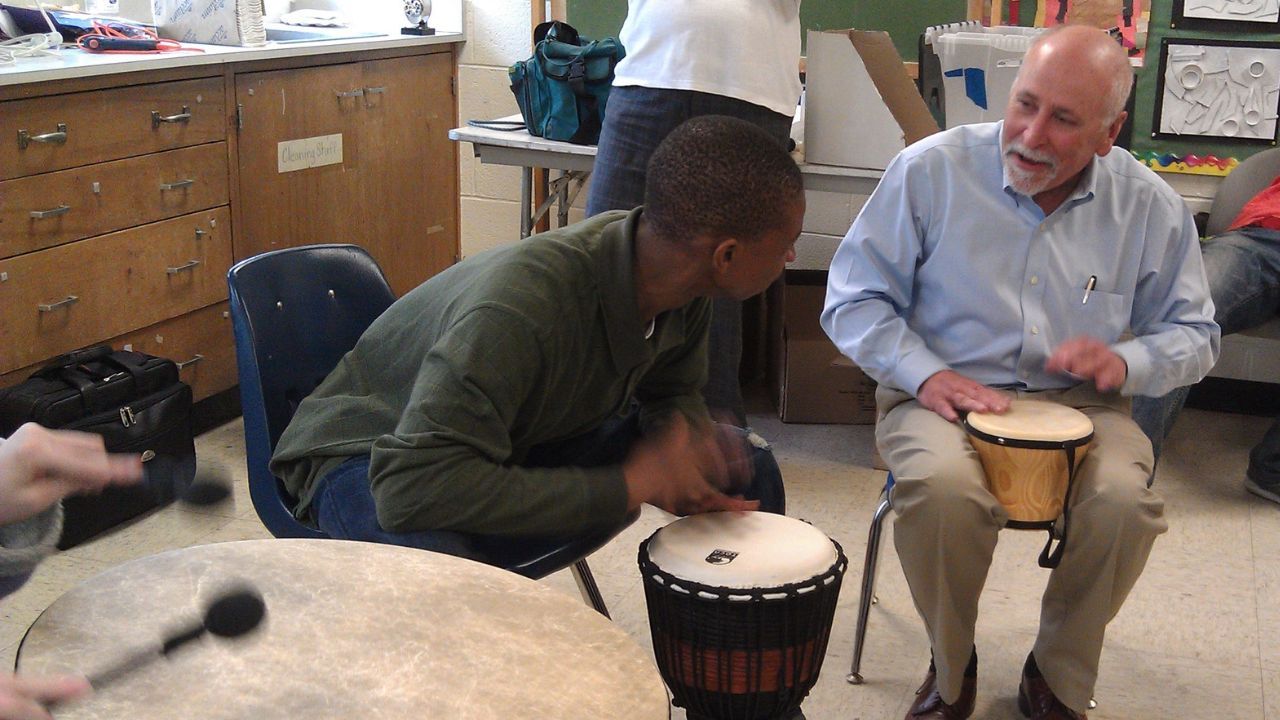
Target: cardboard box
column 812, row 381
column 210, row 22
column 861, row 107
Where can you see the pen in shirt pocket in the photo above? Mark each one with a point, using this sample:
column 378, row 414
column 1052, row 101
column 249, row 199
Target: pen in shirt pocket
column 1088, row 288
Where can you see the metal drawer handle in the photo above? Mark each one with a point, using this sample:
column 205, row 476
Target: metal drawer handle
column 157, row 118
column 201, row 233
column 194, row 359
column 177, row 184
column 52, row 138
column 50, row 307
column 375, row 90
column 358, row 92
column 189, row 265
column 42, row 214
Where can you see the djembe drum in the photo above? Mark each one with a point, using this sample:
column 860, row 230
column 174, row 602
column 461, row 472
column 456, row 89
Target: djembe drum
column 740, row 610
column 1029, row 456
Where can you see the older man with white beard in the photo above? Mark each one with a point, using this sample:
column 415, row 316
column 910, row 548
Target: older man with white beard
column 1008, row 260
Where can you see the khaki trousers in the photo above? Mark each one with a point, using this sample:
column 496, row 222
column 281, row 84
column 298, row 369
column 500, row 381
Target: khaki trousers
column 947, row 522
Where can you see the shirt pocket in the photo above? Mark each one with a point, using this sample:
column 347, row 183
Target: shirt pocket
column 1102, row 315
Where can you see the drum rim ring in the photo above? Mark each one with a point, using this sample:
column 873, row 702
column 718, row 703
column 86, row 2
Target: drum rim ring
column 1027, row 444
column 649, row 570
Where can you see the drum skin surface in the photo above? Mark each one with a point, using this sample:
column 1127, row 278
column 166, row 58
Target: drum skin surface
column 1028, row 455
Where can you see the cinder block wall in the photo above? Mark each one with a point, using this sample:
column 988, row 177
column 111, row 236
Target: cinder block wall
column 498, row 35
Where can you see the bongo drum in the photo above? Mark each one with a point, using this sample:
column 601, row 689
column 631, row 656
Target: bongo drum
column 1029, row 456
column 740, row 610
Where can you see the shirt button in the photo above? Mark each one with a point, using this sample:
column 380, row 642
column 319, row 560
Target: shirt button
column 1035, row 330
column 1035, row 280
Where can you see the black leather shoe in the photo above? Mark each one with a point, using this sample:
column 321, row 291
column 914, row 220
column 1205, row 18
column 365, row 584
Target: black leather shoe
column 1038, row 702
column 929, row 702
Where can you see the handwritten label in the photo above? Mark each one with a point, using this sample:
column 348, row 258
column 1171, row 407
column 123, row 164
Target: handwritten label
column 309, row 152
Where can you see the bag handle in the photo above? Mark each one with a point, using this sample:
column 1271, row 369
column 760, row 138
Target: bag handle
column 73, row 358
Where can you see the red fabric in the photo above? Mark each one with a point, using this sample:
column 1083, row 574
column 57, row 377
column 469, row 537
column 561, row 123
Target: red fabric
column 1263, row 210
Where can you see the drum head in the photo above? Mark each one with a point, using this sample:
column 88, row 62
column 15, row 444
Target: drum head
column 1034, row 421
column 742, row 550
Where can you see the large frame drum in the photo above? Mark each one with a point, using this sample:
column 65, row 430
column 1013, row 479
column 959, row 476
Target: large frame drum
column 740, row 610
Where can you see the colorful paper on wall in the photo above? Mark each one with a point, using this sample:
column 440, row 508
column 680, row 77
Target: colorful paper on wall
column 1130, row 17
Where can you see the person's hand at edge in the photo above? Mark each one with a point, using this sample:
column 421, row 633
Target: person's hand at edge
column 25, row 698
column 38, row 467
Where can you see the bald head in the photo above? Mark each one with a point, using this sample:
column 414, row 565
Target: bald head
column 1091, row 53
column 1065, row 108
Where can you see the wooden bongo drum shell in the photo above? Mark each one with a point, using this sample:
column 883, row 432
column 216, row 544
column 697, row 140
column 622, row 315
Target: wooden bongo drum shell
column 1028, row 455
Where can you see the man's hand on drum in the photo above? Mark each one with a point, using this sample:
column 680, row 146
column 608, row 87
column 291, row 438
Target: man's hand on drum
column 24, row 698
column 1087, row 358
column 948, row 393
column 685, row 468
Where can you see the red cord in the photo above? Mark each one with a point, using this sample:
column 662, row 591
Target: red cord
column 102, row 31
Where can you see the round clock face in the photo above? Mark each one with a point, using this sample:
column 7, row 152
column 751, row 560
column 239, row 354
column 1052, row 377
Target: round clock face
column 413, row 11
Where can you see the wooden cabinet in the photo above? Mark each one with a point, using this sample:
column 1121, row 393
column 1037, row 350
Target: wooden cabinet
column 393, row 188
column 125, row 198
column 114, row 214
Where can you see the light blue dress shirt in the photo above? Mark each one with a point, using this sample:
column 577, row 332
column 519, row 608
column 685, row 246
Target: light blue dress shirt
column 948, row 267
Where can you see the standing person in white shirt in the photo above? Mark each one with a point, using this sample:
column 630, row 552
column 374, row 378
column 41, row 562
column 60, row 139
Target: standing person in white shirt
column 690, row 58
column 1012, row 259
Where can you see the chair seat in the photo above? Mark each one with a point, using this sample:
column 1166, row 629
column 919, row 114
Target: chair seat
column 536, row 558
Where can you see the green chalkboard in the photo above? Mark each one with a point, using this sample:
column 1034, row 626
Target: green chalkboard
column 902, row 20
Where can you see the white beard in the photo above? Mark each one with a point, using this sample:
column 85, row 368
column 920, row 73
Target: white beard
column 1029, row 183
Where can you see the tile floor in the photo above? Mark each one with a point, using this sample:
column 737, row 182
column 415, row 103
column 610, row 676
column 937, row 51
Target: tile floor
column 1198, row 638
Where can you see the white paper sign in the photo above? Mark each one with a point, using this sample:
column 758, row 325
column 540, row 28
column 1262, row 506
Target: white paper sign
column 309, row 152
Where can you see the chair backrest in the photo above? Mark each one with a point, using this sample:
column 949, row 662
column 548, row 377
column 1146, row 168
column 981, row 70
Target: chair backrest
column 1238, row 187
column 295, row 313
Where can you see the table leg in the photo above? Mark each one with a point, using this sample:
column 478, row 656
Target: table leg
column 526, row 201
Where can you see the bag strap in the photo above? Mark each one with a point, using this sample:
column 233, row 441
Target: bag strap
column 502, row 125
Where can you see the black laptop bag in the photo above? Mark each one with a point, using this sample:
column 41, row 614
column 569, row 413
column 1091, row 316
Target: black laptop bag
column 136, row 402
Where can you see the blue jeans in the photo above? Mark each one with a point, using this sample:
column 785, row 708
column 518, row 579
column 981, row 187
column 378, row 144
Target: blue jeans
column 343, row 505
column 1243, row 268
column 637, row 119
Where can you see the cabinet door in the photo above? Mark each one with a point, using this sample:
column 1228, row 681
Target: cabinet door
column 410, row 205
column 282, row 110
column 394, row 190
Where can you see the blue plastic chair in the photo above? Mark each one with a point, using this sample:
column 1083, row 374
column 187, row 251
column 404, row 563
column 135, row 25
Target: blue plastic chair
column 295, row 313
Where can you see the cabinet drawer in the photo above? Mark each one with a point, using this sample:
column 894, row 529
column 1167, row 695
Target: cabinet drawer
column 55, row 208
column 61, row 131
column 200, row 342
column 63, row 298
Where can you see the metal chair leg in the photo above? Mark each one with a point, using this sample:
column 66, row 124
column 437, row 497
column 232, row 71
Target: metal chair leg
column 587, row 586
column 868, row 589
